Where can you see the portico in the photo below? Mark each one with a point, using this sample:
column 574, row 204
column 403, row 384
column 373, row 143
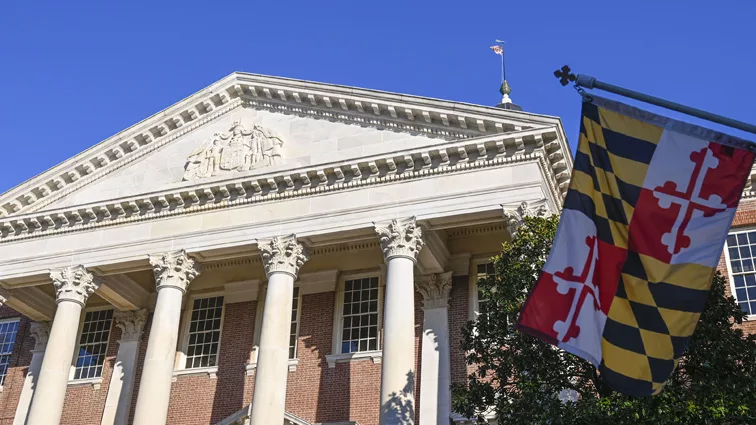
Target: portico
column 322, row 190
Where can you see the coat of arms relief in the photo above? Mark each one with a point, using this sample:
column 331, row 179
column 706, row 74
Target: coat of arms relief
column 239, row 149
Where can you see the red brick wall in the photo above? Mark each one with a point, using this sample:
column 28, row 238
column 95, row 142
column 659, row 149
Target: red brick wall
column 458, row 315
column 315, row 392
column 19, row 364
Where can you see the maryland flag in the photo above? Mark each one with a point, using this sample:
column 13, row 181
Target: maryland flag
column 647, row 212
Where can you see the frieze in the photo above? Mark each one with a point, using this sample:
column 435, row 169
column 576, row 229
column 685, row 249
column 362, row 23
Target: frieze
column 239, row 149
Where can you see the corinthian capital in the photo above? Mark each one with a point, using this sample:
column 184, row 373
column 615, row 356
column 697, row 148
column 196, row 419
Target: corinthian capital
column 74, row 284
column 435, row 289
column 174, row 269
column 400, row 238
column 515, row 216
column 283, row 254
column 131, row 324
column 40, row 331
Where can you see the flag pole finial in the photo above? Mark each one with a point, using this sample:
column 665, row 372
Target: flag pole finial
column 505, row 89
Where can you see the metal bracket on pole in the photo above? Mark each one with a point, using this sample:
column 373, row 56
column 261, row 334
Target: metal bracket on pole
column 565, row 76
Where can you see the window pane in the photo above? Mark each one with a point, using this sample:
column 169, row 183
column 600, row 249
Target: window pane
column 731, row 240
column 360, row 314
column 742, row 239
column 8, row 335
column 204, row 332
column 294, row 325
column 736, row 266
column 93, row 343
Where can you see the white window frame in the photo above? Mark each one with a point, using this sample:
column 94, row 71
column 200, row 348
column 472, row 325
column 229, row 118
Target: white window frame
column 95, row 382
column 730, row 276
column 11, row 320
column 474, row 308
column 336, row 355
column 251, row 366
column 179, row 368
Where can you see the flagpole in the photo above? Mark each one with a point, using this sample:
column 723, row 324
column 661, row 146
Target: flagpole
column 588, row 82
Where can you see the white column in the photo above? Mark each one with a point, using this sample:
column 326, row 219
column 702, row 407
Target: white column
column 40, row 331
column 282, row 258
column 73, row 285
column 121, row 388
column 401, row 240
column 173, row 271
column 435, row 379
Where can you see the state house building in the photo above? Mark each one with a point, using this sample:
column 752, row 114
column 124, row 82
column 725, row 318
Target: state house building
column 270, row 251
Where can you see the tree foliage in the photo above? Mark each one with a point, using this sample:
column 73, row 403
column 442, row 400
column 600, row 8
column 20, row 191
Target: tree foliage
column 522, row 380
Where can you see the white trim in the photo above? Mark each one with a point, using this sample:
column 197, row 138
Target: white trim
column 211, row 372
column 730, row 277
column 338, row 314
column 375, row 356
column 94, row 382
column 180, row 361
column 72, row 372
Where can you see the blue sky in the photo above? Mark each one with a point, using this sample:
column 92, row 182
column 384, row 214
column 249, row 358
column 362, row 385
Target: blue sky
column 74, row 73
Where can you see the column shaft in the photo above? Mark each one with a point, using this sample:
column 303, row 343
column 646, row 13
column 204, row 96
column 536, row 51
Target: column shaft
column 47, row 404
column 157, row 371
column 121, row 388
column 173, row 271
column 435, row 381
column 40, row 331
column 269, row 400
column 282, row 258
column 27, row 392
column 398, row 363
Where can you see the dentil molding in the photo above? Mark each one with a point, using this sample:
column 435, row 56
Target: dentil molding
column 74, row 284
column 452, row 157
column 174, row 270
column 325, row 101
column 283, row 254
column 400, row 238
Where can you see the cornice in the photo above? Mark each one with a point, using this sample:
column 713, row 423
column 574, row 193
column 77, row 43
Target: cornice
column 450, row 157
column 413, row 114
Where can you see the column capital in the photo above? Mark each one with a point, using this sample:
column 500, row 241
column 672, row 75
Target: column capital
column 435, row 289
column 283, row 254
column 515, row 215
column 40, row 331
column 131, row 324
column 400, row 238
column 174, row 269
column 74, row 284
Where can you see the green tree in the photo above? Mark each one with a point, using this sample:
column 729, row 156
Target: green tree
column 522, row 380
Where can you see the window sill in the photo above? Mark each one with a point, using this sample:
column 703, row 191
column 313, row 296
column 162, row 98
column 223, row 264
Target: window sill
column 211, row 372
column 251, row 367
column 375, row 356
column 94, row 382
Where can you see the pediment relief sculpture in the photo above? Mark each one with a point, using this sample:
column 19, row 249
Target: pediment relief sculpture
column 237, row 150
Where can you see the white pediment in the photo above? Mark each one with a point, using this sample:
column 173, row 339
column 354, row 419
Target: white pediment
column 250, row 135
column 243, row 142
